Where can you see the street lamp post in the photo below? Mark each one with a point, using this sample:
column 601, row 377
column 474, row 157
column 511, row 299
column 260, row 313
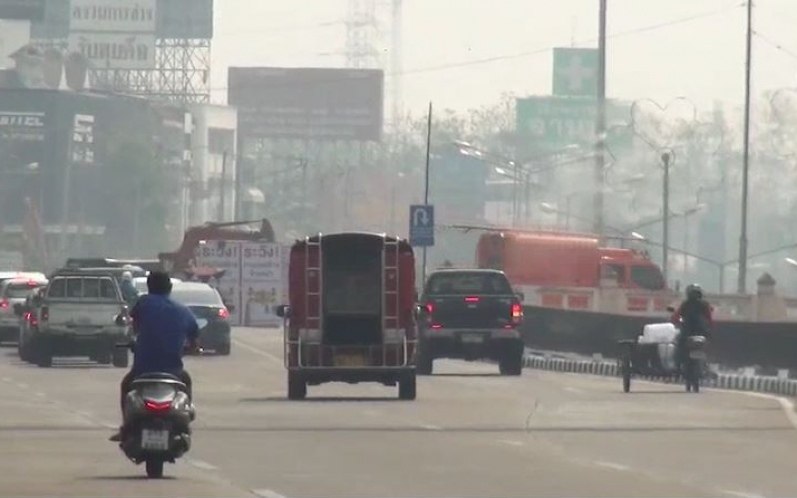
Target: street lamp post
column 665, row 159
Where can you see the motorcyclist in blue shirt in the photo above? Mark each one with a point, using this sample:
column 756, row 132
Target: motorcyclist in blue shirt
column 163, row 329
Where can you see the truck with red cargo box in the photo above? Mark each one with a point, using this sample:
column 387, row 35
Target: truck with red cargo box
column 351, row 312
column 555, row 259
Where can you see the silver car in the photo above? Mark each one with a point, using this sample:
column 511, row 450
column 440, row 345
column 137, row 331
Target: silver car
column 14, row 291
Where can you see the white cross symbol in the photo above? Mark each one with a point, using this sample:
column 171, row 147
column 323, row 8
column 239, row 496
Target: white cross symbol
column 576, row 73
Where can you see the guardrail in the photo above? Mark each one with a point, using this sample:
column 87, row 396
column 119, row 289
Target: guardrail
column 733, row 344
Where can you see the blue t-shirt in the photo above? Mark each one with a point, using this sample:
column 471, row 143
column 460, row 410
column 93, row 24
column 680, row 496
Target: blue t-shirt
column 162, row 327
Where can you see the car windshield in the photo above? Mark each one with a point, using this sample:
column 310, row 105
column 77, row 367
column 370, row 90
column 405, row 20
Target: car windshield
column 197, row 296
column 468, row 283
column 647, row 277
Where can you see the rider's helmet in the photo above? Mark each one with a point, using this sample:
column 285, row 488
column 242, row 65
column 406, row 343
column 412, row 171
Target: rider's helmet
column 694, row 292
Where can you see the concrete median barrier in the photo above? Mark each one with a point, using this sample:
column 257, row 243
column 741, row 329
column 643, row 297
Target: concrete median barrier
column 755, row 383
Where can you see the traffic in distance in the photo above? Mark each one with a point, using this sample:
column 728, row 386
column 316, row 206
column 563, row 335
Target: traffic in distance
column 353, row 316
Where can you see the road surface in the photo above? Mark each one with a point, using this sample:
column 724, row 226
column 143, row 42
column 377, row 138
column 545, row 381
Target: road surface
column 471, row 433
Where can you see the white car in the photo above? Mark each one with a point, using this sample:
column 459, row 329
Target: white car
column 141, row 283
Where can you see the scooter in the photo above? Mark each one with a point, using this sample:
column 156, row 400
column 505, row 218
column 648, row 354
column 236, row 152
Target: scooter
column 157, row 420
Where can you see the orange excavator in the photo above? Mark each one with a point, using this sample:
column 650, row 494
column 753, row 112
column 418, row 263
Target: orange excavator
column 182, row 262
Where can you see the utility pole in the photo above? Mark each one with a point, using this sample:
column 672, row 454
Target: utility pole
column 742, row 284
column 426, row 184
column 600, row 123
column 665, row 201
column 223, row 187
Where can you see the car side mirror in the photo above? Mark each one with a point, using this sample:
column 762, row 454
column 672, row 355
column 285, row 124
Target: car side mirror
column 283, row 311
column 18, row 309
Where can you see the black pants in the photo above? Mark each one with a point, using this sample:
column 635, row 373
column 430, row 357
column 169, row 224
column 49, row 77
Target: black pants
column 128, row 379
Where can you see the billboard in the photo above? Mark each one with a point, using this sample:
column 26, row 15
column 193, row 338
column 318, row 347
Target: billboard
column 185, row 19
column 22, row 10
column 118, row 34
column 165, row 18
column 113, row 16
column 308, row 103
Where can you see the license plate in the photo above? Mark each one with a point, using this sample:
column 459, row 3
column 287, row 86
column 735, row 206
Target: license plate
column 157, row 440
column 349, row 360
column 201, row 322
column 697, row 355
column 473, row 338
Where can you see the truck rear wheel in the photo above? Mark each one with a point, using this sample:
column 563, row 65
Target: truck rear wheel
column 407, row 387
column 424, row 364
column 511, row 364
column 120, row 358
column 44, row 359
column 297, row 387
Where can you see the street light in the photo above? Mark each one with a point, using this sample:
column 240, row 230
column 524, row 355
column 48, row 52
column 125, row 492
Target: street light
column 791, row 261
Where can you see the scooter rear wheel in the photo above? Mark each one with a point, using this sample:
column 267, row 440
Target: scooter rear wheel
column 154, row 469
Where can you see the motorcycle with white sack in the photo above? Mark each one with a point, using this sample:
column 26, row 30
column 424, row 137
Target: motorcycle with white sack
column 662, row 351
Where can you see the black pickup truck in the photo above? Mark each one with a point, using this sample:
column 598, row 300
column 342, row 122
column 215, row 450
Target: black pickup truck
column 471, row 315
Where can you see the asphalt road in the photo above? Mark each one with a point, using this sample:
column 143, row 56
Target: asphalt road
column 471, row 433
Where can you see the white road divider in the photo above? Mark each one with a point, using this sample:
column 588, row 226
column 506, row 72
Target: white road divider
column 756, row 383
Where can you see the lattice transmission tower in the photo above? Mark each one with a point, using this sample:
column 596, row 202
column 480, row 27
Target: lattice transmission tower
column 374, row 39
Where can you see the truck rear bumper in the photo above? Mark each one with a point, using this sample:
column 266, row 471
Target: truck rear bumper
column 76, row 345
column 382, row 375
column 471, row 344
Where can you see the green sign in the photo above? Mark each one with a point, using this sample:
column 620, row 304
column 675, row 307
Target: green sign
column 561, row 121
column 575, row 72
column 556, row 120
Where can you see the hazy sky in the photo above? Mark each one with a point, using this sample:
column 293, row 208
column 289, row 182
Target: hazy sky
column 702, row 59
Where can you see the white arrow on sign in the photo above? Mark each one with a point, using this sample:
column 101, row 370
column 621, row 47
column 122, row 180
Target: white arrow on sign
column 422, row 215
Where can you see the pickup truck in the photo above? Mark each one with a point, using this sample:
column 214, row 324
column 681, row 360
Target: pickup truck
column 77, row 314
column 470, row 315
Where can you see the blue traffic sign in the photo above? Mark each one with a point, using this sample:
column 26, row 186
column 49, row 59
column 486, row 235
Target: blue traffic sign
column 422, row 225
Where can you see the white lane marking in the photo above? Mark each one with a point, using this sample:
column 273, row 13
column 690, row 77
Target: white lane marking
column 510, row 442
column 267, row 493
column 258, row 351
column 22, row 385
column 6, row 379
column 431, row 427
column 201, row 465
column 573, row 390
column 612, row 465
column 785, row 403
column 40, row 394
column 742, row 494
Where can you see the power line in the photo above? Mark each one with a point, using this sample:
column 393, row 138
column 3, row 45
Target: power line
column 530, row 53
column 776, row 45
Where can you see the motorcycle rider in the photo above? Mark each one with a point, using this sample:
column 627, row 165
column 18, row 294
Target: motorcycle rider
column 693, row 317
column 162, row 328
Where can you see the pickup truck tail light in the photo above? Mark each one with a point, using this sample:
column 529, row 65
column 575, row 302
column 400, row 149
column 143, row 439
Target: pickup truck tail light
column 4, row 304
column 517, row 313
column 45, row 313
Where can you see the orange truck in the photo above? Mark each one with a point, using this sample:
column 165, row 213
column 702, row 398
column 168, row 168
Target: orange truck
column 352, row 312
column 557, row 259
